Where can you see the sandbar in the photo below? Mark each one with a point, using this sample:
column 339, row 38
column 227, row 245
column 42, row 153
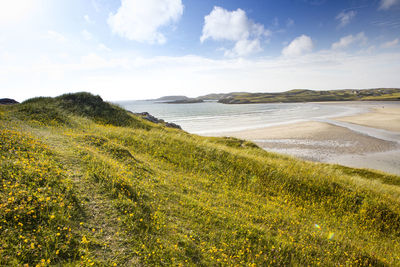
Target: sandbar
column 383, row 118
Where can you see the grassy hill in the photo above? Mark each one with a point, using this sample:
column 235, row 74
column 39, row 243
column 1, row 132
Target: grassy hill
column 84, row 182
column 302, row 95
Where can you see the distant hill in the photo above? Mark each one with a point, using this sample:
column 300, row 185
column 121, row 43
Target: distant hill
column 293, row 96
column 172, row 98
column 218, row 96
column 304, row 95
column 178, row 99
column 185, row 98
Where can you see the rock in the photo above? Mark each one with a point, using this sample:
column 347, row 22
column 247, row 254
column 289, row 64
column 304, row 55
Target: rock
column 173, row 125
column 151, row 118
column 8, row 101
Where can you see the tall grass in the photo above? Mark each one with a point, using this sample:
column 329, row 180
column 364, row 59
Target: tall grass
column 38, row 207
column 164, row 197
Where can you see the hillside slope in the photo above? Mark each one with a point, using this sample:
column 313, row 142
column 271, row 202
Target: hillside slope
column 303, row 95
column 84, row 182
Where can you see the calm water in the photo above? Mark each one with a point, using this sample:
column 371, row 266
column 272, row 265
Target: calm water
column 212, row 117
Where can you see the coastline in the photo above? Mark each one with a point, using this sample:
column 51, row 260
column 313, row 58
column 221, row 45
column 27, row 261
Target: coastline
column 366, row 140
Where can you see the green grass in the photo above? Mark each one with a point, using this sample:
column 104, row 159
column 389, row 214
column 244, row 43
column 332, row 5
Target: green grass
column 302, row 95
column 386, row 97
column 85, row 190
column 52, row 111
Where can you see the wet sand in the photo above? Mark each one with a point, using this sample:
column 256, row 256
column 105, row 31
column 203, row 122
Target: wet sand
column 383, row 118
column 368, row 140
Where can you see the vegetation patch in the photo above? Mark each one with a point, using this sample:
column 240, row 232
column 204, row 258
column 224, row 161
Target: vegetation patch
column 42, row 111
column 38, row 209
column 101, row 193
column 303, row 95
column 93, row 107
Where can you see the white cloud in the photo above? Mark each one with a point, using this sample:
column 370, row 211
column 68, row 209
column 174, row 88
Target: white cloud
column 56, row 36
column 103, row 47
column 235, row 26
column 141, row 21
column 348, row 40
column 289, row 22
column 391, row 44
column 244, row 47
column 386, row 4
column 222, row 24
column 344, row 18
column 88, row 19
column 299, row 46
column 86, row 35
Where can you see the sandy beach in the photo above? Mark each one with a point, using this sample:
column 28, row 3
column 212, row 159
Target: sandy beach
column 367, row 140
column 383, row 118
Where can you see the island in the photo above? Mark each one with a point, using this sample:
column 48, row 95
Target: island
column 177, row 99
column 170, row 98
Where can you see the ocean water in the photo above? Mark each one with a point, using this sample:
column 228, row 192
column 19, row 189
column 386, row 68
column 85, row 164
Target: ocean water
column 210, row 118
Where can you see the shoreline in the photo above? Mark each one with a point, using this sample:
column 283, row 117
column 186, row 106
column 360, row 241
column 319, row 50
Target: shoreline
column 381, row 118
column 366, row 140
column 352, row 108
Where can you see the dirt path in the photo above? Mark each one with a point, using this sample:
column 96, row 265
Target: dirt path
column 100, row 220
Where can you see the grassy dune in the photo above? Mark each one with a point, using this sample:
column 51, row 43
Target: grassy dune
column 84, row 182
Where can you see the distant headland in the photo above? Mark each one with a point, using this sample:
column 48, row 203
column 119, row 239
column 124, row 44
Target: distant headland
column 292, row 96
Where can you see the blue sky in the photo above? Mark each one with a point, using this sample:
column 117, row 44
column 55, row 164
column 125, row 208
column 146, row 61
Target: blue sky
column 134, row 49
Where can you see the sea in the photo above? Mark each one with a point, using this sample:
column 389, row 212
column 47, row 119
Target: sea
column 210, row 117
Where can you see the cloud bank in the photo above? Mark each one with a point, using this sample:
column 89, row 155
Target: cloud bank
column 133, row 77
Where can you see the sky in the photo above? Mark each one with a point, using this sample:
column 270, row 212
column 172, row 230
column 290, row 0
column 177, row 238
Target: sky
column 135, row 49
